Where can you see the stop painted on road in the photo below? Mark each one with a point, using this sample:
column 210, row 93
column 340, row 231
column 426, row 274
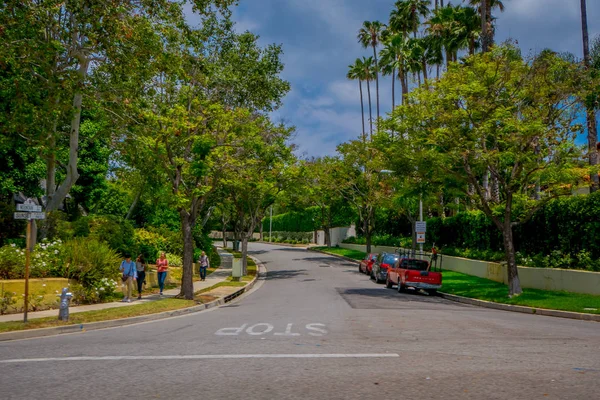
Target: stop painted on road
column 264, row 328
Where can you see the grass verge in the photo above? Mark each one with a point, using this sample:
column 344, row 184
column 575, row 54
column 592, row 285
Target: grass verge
column 101, row 315
column 485, row 289
column 353, row 254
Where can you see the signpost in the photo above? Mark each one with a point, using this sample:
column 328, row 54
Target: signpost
column 420, row 229
column 29, row 211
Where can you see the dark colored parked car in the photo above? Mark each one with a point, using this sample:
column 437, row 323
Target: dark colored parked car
column 380, row 267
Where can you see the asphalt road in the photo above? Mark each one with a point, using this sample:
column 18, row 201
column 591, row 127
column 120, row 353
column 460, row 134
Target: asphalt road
column 316, row 329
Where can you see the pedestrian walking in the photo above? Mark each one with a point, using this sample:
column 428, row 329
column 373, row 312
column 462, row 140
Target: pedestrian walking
column 128, row 275
column 162, row 265
column 204, row 264
column 140, row 266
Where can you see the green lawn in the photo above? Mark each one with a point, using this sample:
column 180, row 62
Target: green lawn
column 354, row 254
column 101, row 315
column 485, row 289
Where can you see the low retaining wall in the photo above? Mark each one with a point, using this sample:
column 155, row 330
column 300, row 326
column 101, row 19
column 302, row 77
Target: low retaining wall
column 534, row 278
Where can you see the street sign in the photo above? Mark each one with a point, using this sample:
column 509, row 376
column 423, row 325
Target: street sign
column 21, row 215
column 32, row 215
column 29, row 205
column 420, row 226
column 37, row 215
column 420, row 238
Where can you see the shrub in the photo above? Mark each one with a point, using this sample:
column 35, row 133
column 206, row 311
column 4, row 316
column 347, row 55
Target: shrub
column 89, row 261
column 174, row 260
column 116, row 232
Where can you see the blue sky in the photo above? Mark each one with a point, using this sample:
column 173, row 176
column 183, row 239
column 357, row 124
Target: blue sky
column 319, row 42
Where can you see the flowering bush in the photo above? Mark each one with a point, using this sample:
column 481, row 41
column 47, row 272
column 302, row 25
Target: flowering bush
column 44, row 260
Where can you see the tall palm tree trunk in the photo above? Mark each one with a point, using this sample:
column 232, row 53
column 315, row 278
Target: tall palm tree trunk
column 362, row 111
column 590, row 112
column 376, row 81
column 484, row 26
column 393, row 94
column 370, row 111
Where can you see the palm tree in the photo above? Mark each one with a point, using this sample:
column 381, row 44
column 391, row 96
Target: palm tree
column 369, row 35
column 413, row 10
column 355, row 72
column 591, row 115
column 487, row 27
column 387, row 62
column 366, row 68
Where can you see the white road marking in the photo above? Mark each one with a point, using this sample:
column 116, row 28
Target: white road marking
column 288, row 331
column 251, row 331
column 263, row 328
column 199, row 357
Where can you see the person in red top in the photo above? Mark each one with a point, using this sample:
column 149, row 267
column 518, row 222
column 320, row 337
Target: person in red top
column 162, row 265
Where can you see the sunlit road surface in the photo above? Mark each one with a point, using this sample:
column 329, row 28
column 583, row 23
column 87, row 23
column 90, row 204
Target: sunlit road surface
column 315, row 329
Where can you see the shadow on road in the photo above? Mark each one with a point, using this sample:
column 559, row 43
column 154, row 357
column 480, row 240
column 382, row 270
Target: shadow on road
column 380, row 298
column 285, row 274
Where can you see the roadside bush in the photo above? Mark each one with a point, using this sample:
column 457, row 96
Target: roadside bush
column 174, row 260
column 116, row 232
column 44, row 261
column 148, row 243
column 12, row 262
column 90, row 261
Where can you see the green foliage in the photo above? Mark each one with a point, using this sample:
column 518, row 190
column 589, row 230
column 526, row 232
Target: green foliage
column 174, row 260
column 89, row 261
column 306, row 220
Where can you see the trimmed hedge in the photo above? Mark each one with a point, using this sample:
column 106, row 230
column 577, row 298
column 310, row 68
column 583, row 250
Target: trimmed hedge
column 569, row 225
column 306, row 220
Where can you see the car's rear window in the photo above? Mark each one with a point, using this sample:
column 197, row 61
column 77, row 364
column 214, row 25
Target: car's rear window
column 418, row 265
column 391, row 260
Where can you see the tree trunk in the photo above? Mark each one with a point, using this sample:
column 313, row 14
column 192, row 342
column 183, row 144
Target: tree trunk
column 514, row 285
column 59, row 196
column 424, row 62
column 261, row 232
column 366, row 233
column 187, row 283
column 591, row 114
column 484, row 26
column 376, row 80
column 224, row 235
column 327, row 236
column 370, row 110
column 592, row 142
column 393, row 94
column 244, row 255
column 485, row 184
column 134, row 204
column 362, row 111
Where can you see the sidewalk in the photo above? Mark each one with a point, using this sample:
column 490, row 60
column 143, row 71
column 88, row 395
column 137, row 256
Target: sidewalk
column 220, row 275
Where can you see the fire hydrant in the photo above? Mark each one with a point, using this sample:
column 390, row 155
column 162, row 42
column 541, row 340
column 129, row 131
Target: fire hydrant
column 65, row 299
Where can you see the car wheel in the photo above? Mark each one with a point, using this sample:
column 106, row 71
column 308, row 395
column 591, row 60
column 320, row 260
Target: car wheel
column 432, row 292
column 400, row 286
column 388, row 283
column 360, row 269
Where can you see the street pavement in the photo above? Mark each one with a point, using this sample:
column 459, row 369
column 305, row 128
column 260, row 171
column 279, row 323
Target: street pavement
column 315, row 329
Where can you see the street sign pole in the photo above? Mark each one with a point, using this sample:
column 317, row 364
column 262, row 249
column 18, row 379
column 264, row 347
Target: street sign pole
column 421, row 219
column 27, row 257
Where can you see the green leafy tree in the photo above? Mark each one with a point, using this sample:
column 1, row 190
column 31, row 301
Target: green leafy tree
column 519, row 125
column 360, row 181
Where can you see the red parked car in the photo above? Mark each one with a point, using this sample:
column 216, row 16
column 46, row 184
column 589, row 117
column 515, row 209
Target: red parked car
column 415, row 273
column 366, row 265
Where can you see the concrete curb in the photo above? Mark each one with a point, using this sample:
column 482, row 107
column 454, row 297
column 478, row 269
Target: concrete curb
column 59, row 330
column 503, row 307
